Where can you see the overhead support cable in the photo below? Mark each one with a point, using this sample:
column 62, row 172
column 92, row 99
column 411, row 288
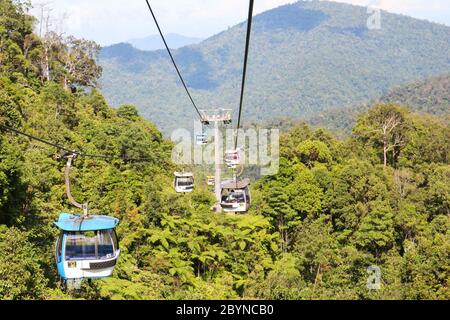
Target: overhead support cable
column 173, row 60
column 71, row 151
column 31, row 137
column 244, row 74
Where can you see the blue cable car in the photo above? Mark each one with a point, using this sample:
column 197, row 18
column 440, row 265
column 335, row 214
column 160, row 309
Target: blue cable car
column 87, row 247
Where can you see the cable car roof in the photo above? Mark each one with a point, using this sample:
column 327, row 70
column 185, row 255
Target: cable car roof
column 73, row 223
column 241, row 184
column 184, row 174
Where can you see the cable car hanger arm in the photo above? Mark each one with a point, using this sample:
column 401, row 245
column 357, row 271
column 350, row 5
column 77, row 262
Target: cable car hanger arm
column 72, row 200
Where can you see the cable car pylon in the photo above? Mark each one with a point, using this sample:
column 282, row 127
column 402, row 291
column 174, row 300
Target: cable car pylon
column 218, row 117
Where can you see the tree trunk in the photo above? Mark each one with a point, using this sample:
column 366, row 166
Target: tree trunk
column 318, row 275
column 47, row 66
column 385, row 145
column 66, row 87
column 283, row 234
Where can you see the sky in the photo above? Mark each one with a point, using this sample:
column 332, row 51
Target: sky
column 112, row 21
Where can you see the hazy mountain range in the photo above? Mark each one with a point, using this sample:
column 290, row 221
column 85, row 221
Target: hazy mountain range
column 306, row 58
column 154, row 42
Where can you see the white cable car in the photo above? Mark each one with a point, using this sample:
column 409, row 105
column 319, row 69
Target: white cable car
column 87, row 247
column 236, row 196
column 233, row 158
column 211, row 181
column 184, row 182
column 201, row 139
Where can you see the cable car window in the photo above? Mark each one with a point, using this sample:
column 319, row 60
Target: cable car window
column 59, row 246
column 78, row 246
column 105, row 245
column 89, row 245
column 184, row 182
column 114, row 239
column 235, row 198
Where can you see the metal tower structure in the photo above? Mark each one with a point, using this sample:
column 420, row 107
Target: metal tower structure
column 218, row 117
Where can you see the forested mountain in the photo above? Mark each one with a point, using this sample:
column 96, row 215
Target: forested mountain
column 154, row 42
column 379, row 198
column 305, row 58
column 430, row 96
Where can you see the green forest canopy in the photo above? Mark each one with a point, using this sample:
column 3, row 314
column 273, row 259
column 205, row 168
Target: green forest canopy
column 334, row 209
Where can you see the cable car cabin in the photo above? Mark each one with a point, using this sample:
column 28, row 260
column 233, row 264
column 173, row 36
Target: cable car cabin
column 236, row 196
column 233, row 158
column 211, row 181
column 87, row 247
column 201, row 139
column 184, row 182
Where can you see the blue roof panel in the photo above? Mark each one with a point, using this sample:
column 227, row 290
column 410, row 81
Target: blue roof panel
column 73, row 223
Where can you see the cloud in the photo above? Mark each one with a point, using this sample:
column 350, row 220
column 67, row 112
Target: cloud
column 112, row 21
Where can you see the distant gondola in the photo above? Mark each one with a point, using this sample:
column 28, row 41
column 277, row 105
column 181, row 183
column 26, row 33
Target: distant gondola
column 201, row 139
column 233, row 158
column 236, row 196
column 184, row 182
column 211, row 181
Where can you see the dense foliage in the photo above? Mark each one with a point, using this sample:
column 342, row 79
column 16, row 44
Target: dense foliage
column 334, row 209
column 305, row 58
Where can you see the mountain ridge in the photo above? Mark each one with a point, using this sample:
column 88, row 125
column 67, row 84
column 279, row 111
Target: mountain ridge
column 154, row 42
